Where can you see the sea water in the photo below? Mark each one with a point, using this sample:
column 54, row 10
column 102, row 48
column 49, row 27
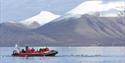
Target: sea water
column 69, row 55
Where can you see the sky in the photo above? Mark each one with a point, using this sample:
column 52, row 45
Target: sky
column 17, row 10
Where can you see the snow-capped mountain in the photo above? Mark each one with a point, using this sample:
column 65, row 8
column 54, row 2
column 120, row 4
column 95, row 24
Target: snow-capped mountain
column 82, row 26
column 87, row 30
column 111, row 9
column 85, row 26
column 40, row 19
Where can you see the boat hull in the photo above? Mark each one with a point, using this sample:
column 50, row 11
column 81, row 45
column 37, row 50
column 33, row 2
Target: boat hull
column 51, row 53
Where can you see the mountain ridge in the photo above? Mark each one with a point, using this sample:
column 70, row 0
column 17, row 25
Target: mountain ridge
column 86, row 30
column 41, row 19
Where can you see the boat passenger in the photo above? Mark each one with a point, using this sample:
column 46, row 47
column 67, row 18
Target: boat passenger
column 15, row 51
column 40, row 49
column 27, row 49
column 23, row 51
column 32, row 50
column 46, row 49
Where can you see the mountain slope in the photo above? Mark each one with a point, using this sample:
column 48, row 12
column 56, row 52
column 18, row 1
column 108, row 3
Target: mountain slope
column 14, row 33
column 87, row 26
column 82, row 26
column 87, row 30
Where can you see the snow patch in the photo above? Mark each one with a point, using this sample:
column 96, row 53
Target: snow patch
column 42, row 18
column 91, row 7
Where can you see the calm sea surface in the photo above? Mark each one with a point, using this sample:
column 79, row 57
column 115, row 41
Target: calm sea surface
column 70, row 55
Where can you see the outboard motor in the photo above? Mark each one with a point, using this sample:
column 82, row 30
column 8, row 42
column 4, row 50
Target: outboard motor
column 14, row 52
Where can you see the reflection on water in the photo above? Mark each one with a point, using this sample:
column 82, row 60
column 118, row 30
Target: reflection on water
column 70, row 55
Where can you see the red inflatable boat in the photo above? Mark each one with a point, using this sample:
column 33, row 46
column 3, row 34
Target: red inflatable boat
column 31, row 52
